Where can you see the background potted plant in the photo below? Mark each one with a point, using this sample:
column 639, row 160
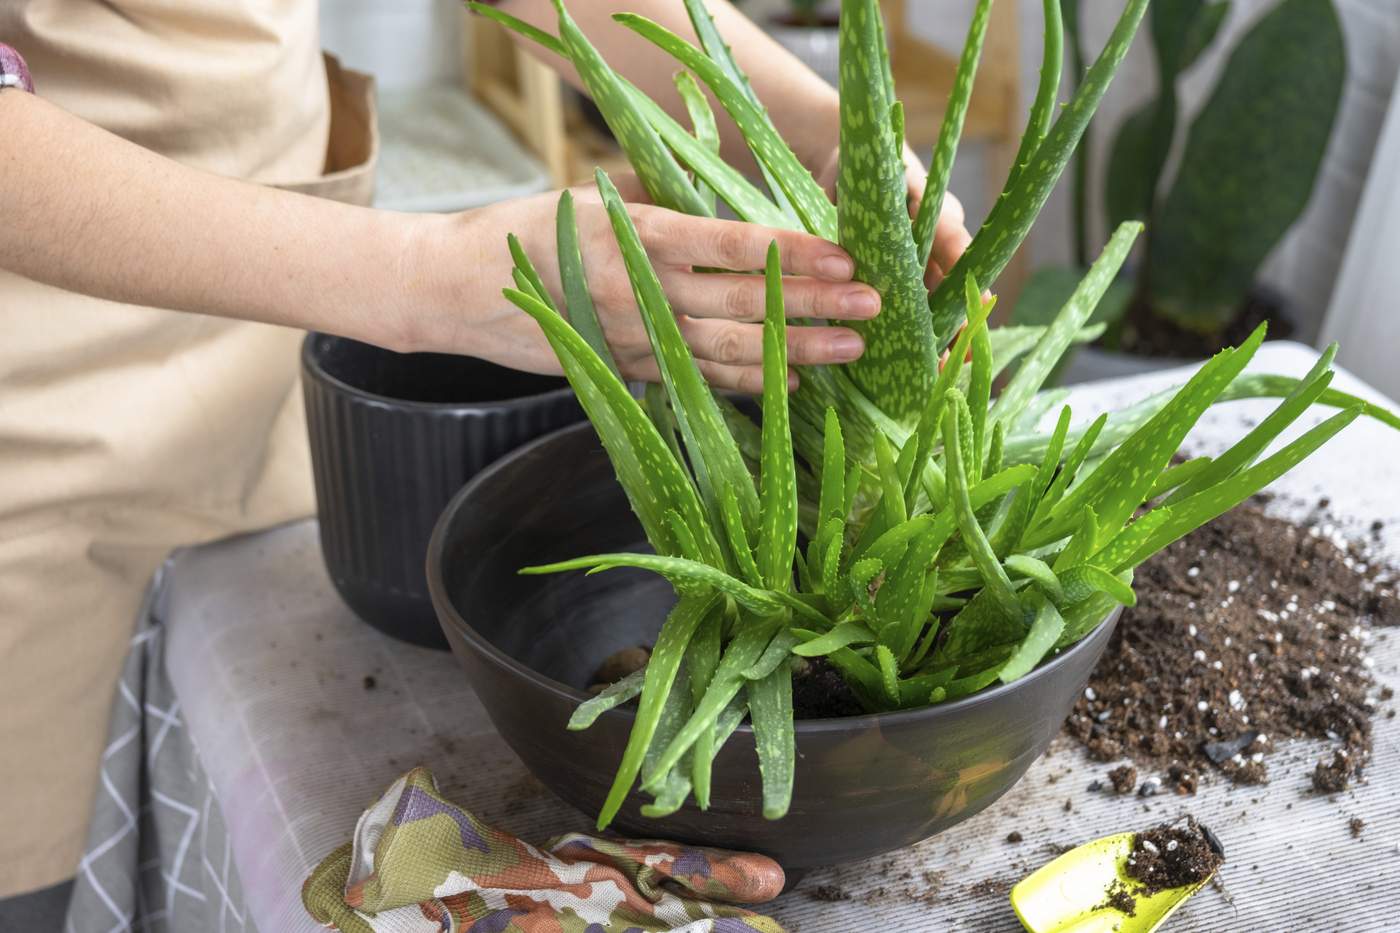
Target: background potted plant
column 892, row 517
column 1247, row 168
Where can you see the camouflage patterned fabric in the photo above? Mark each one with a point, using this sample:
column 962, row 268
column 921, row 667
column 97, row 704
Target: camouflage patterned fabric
column 420, row 864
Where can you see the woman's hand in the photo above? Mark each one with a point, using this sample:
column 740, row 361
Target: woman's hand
column 720, row 314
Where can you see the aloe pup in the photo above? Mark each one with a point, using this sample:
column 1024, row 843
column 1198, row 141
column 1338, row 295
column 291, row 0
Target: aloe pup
column 926, row 536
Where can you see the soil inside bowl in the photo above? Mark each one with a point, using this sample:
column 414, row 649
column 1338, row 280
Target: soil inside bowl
column 434, row 378
column 818, row 690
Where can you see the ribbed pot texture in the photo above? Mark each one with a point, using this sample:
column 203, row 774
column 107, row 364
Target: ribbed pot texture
column 393, row 437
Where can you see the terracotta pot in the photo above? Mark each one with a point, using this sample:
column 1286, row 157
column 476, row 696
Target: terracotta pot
column 864, row 784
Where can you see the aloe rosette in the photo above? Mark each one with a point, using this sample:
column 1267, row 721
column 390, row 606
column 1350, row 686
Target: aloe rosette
column 925, row 536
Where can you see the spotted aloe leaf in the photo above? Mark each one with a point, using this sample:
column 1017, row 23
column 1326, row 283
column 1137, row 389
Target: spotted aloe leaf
column 653, row 479
column 1015, row 211
column 665, row 180
column 659, row 678
column 897, row 368
column 714, row 456
column 941, row 165
column 777, row 536
column 770, row 709
column 807, row 197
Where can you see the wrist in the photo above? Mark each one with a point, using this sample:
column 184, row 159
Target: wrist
column 436, row 269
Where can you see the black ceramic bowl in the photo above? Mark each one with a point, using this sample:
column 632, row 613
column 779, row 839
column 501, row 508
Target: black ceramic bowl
column 864, row 785
column 393, row 436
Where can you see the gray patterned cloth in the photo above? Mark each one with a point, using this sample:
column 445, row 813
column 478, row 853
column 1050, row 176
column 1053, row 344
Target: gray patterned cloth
column 158, row 853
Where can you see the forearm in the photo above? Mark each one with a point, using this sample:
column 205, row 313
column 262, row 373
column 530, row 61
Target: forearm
column 807, row 117
column 86, row 211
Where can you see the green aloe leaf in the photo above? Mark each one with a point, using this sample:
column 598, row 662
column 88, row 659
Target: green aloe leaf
column 941, row 164
column 1122, row 480
column 974, row 538
column 702, row 122
column 841, row 635
column 1194, row 511
column 872, row 190
column 614, row 695
column 1047, row 91
column 1015, row 211
column 817, row 213
column 688, row 576
column 889, row 674
column 770, row 710
column 743, row 650
column 714, row 456
column 1046, row 627
column 652, row 478
column 660, row 675
column 577, row 298
column 715, row 47
column 739, row 545
column 1085, row 580
column 777, row 536
column 1243, row 453
column 1039, row 573
column 1037, row 367
column 702, row 659
column 665, row 180
column 931, row 419
column 1250, row 162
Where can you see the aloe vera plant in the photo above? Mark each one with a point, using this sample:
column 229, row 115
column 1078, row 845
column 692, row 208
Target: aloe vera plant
column 925, row 536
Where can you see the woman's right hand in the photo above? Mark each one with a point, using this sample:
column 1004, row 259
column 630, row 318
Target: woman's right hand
column 454, row 304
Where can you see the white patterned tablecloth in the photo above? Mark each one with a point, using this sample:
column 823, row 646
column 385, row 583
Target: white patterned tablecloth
column 258, row 717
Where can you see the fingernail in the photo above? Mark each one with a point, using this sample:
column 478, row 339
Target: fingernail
column 861, row 303
column 837, row 268
column 845, row 346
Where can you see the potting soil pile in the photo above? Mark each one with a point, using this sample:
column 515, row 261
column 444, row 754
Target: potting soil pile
column 1248, row 631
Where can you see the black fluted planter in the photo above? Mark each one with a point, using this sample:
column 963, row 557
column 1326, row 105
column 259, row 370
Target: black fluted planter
column 393, row 437
column 529, row 645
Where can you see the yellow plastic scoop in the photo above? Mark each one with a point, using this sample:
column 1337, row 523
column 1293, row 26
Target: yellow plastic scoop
column 1088, row 890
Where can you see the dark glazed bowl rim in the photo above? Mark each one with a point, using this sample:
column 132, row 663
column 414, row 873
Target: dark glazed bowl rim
column 447, row 614
column 312, row 366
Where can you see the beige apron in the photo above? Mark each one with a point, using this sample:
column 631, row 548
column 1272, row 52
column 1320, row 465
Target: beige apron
column 125, row 431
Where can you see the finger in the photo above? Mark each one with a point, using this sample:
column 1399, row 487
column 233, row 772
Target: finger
column 744, row 297
column 680, row 240
column 950, row 241
column 735, row 344
column 746, row 379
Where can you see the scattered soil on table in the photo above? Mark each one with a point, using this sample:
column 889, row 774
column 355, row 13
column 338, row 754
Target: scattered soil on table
column 1356, row 824
column 369, row 682
column 1248, row 630
column 1144, row 333
column 1173, row 855
column 1120, row 899
column 1014, row 837
column 991, row 887
column 828, row 893
column 1124, row 779
column 820, row 692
